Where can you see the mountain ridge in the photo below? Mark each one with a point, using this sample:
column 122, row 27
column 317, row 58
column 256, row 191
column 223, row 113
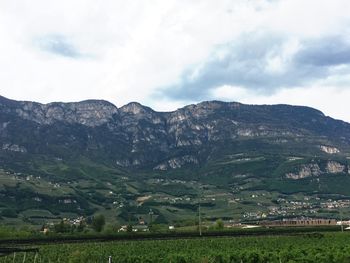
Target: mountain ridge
column 192, row 125
column 98, row 155
column 189, row 106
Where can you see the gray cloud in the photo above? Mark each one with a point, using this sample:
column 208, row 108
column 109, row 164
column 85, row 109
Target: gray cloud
column 330, row 51
column 58, row 45
column 246, row 61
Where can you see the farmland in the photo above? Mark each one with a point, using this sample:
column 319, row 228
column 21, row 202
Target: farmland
column 310, row 247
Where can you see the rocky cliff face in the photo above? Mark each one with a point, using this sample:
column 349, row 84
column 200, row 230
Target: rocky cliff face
column 90, row 113
column 314, row 170
column 137, row 136
column 305, row 171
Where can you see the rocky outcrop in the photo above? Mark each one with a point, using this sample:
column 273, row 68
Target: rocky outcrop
column 123, row 163
column 335, row 167
column 135, row 108
column 14, row 148
column 305, row 171
column 89, row 113
column 314, row 170
column 329, row 149
column 175, row 163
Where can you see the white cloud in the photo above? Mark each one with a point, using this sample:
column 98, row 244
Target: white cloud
column 229, row 93
column 131, row 49
column 332, row 101
column 277, row 62
column 134, row 47
column 311, row 18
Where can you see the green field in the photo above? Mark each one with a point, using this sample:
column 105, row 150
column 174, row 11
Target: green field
column 307, row 247
column 240, row 187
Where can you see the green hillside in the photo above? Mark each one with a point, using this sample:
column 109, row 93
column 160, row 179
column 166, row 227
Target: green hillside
column 240, row 162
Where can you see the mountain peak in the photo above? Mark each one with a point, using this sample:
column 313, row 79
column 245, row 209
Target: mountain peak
column 135, row 108
column 89, row 112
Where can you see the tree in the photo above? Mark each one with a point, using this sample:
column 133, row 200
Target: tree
column 81, row 226
column 219, row 224
column 98, row 222
column 62, row 227
column 129, row 228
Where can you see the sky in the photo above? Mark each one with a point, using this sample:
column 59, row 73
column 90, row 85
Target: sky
column 167, row 54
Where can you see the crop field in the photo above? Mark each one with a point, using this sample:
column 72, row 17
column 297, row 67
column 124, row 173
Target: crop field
column 307, row 247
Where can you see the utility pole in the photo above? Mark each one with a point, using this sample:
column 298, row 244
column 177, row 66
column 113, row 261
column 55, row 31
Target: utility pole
column 341, row 222
column 199, row 218
column 150, row 216
column 199, row 206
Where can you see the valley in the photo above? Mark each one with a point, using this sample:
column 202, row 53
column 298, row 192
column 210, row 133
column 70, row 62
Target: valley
column 242, row 163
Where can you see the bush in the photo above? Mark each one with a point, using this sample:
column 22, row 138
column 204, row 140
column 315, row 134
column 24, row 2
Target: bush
column 98, row 222
column 219, row 224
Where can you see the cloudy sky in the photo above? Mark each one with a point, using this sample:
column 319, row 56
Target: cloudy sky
column 166, row 54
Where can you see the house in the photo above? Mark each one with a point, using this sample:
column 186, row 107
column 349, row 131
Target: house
column 301, row 222
column 45, row 230
column 123, row 229
column 140, row 228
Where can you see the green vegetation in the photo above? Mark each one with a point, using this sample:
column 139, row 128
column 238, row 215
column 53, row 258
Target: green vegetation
column 98, row 222
column 237, row 186
column 219, row 224
column 307, row 247
column 7, row 232
column 240, row 162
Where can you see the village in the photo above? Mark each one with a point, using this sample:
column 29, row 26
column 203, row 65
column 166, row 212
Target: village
column 80, row 224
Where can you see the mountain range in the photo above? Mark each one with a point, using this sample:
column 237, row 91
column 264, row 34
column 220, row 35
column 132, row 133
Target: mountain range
column 241, row 162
